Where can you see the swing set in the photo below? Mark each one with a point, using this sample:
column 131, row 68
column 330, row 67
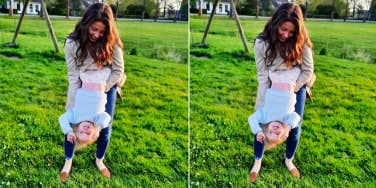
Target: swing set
column 235, row 14
column 47, row 17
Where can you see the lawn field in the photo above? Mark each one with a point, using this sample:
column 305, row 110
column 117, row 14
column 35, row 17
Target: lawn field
column 338, row 142
column 149, row 136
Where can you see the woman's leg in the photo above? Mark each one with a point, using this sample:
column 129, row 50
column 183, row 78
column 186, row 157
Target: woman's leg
column 68, row 152
column 68, row 148
column 258, row 149
column 294, row 136
column 105, row 134
column 293, row 139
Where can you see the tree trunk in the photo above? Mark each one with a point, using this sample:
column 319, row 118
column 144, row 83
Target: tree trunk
column 67, row 9
column 156, row 11
column 50, row 28
column 19, row 23
column 143, row 11
column 354, row 9
column 346, row 11
column 117, row 8
column 10, row 8
column 199, row 8
column 257, row 9
column 333, row 8
column 41, row 11
column 239, row 26
column 306, row 10
column 203, row 41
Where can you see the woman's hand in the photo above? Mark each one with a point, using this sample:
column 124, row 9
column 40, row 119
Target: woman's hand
column 71, row 137
column 260, row 137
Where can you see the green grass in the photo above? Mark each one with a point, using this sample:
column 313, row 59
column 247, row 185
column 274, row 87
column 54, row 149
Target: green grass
column 338, row 142
column 148, row 145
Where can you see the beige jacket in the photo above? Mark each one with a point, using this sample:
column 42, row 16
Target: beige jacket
column 277, row 65
column 117, row 69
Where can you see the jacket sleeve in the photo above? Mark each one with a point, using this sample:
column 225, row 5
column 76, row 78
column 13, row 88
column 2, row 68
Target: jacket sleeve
column 102, row 120
column 292, row 119
column 262, row 72
column 117, row 68
column 307, row 68
column 65, row 121
column 254, row 121
column 72, row 71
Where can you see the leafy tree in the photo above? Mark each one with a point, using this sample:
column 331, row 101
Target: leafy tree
column 372, row 10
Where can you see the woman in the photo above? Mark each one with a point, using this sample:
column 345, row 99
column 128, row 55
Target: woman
column 283, row 44
column 93, row 44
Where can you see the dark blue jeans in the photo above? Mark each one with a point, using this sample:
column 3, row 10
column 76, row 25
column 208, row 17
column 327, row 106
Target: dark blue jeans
column 105, row 134
column 293, row 139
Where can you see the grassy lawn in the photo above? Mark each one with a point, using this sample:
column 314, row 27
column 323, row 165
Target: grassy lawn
column 149, row 136
column 338, row 142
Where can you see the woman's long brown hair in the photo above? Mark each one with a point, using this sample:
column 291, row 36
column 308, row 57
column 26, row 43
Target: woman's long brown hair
column 101, row 51
column 291, row 51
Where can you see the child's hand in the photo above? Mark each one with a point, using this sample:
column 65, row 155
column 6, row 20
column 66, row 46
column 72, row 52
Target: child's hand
column 260, row 137
column 71, row 137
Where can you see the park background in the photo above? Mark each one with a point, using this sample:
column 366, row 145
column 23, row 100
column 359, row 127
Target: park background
column 337, row 145
column 149, row 135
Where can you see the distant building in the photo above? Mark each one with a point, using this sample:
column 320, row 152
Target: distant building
column 169, row 8
column 34, row 6
column 223, row 6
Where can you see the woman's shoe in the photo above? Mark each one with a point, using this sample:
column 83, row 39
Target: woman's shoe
column 253, row 176
column 295, row 172
column 64, row 176
column 105, row 172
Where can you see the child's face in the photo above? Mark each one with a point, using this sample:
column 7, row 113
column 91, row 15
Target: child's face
column 85, row 131
column 275, row 131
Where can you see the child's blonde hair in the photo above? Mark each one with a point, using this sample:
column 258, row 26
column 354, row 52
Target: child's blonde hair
column 79, row 145
column 271, row 144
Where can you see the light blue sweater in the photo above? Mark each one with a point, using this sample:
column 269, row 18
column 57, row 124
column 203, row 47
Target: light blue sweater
column 278, row 106
column 89, row 106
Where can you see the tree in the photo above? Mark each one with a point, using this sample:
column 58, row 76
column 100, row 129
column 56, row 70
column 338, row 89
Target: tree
column 143, row 11
column 372, row 10
column 333, row 10
column 67, row 9
column 354, row 8
column 199, row 8
column 156, row 11
column 184, row 10
column 346, row 11
column 10, row 8
column 366, row 12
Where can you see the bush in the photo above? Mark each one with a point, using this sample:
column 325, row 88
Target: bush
column 6, row 11
column 134, row 10
column 133, row 51
column 322, row 51
column 193, row 10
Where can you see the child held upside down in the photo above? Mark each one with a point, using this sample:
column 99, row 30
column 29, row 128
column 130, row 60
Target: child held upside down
column 272, row 123
column 83, row 123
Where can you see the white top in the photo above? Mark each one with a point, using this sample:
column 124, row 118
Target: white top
column 95, row 76
column 288, row 76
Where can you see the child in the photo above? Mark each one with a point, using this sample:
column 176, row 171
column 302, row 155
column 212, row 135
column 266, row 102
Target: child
column 82, row 123
column 272, row 123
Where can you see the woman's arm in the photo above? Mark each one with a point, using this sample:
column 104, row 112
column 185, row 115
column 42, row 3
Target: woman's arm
column 307, row 68
column 262, row 72
column 73, row 72
column 117, row 68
